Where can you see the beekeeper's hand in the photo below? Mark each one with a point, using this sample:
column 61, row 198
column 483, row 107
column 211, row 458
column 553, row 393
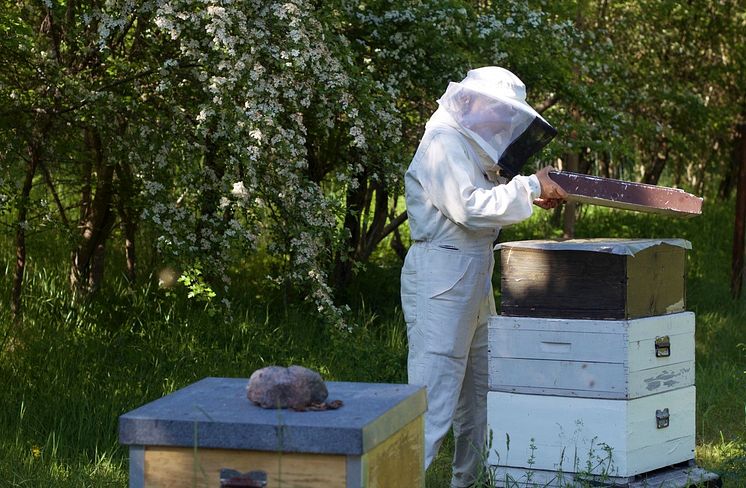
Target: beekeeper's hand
column 548, row 203
column 550, row 191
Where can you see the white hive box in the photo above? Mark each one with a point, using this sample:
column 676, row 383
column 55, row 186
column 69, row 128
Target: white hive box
column 612, row 359
column 614, row 438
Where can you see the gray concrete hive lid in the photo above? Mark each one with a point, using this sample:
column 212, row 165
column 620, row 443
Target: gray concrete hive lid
column 214, row 413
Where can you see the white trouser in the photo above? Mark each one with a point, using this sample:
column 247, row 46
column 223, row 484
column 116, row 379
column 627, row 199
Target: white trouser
column 447, row 300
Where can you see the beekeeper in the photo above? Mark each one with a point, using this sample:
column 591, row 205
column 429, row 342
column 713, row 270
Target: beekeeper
column 461, row 188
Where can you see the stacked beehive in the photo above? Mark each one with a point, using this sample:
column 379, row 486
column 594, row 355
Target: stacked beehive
column 591, row 363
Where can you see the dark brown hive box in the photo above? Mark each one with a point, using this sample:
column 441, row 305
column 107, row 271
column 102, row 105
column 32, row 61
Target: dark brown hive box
column 593, row 278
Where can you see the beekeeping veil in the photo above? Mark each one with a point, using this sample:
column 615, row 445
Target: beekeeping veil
column 489, row 106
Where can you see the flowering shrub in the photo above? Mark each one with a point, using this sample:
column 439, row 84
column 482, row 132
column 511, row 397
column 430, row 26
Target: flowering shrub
column 284, row 126
column 274, row 107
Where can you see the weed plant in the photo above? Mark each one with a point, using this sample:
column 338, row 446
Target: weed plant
column 73, row 368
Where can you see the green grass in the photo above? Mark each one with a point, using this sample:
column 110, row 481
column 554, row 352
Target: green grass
column 74, row 368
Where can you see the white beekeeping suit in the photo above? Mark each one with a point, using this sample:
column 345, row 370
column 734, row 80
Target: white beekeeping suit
column 458, row 198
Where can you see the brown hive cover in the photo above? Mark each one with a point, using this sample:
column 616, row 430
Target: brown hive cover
column 627, row 195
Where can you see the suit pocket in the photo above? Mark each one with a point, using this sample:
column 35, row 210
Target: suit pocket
column 454, row 291
column 409, row 295
column 448, row 275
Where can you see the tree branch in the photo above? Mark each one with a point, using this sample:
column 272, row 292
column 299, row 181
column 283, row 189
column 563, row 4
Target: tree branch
column 394, row 224
column 50, row 184
column 548, row 103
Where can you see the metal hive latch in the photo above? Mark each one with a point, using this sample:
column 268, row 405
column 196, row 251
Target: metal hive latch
column 662, row 418
column 662, row 347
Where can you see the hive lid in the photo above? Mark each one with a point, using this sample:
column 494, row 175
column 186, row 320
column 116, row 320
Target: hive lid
column 628, row 247
column 215, row 413
column 627, row 195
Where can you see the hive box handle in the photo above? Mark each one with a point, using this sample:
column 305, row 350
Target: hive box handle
column 230, row 478
column 662, row 347
column 662, row 418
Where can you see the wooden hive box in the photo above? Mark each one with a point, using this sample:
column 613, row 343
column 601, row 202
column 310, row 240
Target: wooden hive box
column 593, row 278
column 615, row 439
column 628, row 195
column 184, row 439
column 615, row 359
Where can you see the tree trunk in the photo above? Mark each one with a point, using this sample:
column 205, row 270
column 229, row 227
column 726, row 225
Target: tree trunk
column 373, row 234
column 728, row 182
column 366, row 233
column 128, row 218
column 50, row 183
column 585, row 162
column 96, row 276
column 97, row 219
column 344, row 260
column 130, row 231
column 660, row 158
column 739, row 227
column 396, row 241
column 20, row 240
column 606, row 165
column 213, row 170
column 678, row 173
column 571, row 161
column 568, row 217
column 398, row 246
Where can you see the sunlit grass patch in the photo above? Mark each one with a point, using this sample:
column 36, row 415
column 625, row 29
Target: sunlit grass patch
column 728, row 458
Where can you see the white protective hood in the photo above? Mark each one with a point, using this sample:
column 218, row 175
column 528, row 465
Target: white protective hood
column 489, row 106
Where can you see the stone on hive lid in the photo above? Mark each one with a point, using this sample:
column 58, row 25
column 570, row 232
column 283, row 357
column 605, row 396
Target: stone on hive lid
column 294, row 387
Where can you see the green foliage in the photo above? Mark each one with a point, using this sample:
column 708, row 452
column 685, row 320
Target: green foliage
column 224, row 130
column 200, row 290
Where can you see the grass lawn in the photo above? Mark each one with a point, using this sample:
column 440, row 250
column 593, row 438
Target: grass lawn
column 71, row 370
